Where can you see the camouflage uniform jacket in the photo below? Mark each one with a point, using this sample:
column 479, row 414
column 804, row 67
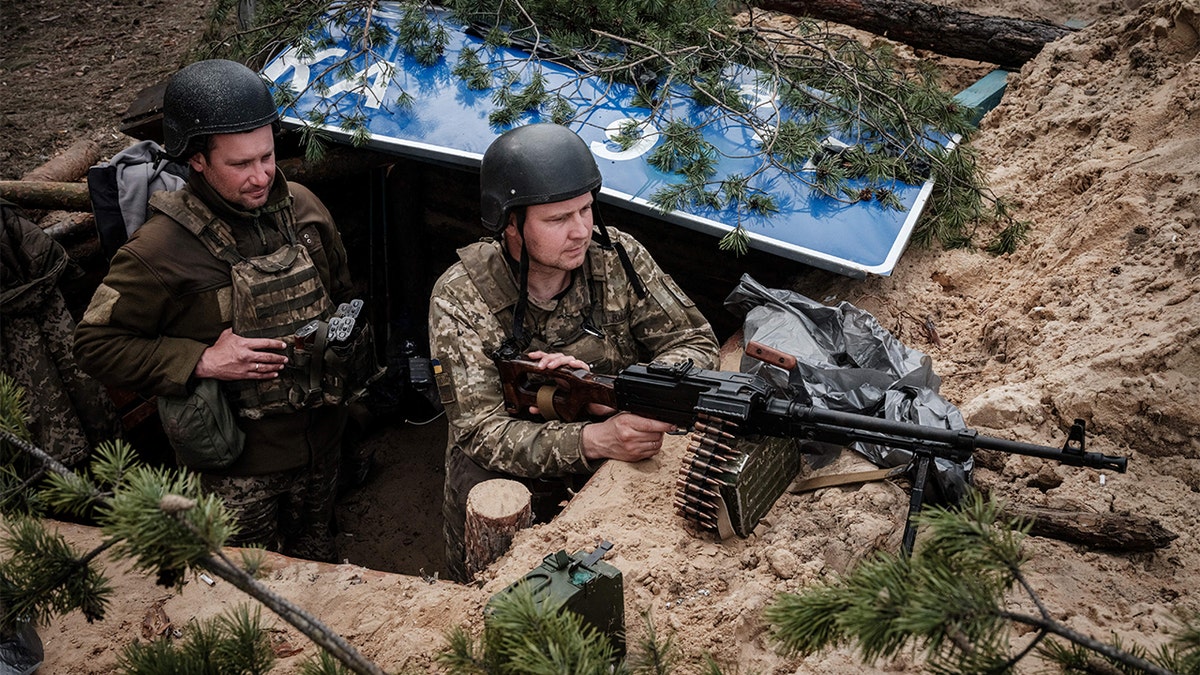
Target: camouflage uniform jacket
column 471, row 315
column 167, row 298
column 67, row 412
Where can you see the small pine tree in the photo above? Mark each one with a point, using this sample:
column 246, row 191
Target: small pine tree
column 157, row 518
column 949, row 601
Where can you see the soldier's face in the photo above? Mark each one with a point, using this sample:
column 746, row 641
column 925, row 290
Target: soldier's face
column 240, row 167
column 557, row 234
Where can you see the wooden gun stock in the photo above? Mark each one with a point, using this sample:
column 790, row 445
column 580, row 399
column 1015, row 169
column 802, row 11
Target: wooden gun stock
column 770, row 355
column 561, row 394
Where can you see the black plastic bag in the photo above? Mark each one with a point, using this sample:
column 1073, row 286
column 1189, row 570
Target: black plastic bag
column 846, row 361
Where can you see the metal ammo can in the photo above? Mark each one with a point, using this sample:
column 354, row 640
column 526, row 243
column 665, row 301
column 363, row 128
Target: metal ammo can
column 584, row 584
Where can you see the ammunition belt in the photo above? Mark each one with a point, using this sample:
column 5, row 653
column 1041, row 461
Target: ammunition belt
column 728, row 481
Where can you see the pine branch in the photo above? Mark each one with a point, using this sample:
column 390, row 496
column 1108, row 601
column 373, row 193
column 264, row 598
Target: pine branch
column 33, row 451
column 948, row 598
column 191, row 535
column 1097, row 646
column 221, row 566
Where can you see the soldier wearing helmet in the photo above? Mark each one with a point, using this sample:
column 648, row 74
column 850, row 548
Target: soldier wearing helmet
column 163, row 320
column 558, row 286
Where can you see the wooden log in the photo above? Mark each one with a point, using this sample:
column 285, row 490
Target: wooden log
column 31, row 194
column 69, row 165
column 1005, row 41
column 1105, row 531
column 68, row 226
column 496, row 509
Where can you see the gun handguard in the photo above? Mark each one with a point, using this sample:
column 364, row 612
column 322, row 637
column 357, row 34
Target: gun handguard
column 561, row 394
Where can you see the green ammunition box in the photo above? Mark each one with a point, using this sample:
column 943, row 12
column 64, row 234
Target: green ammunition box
column 584, row 584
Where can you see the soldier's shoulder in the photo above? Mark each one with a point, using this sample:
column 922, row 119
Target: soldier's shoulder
column 160, row 235
column 453, row 276
column 301, row 193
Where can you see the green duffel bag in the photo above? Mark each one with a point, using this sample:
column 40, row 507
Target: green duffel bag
column 201, row 427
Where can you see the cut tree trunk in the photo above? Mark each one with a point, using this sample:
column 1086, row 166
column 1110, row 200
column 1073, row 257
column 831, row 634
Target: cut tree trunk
column 69, row 165
column 1107, row 531
column 46, row 194
column 496, row 509
column 1004, row 41
column 69, row 227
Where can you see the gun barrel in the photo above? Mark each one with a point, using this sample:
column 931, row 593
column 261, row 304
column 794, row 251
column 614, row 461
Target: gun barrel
column 836, row 426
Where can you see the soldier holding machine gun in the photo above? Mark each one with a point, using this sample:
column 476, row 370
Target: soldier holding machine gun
column 727, row 491
column 548, row 289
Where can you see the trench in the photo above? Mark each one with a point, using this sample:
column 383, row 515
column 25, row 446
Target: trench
column 401, row 221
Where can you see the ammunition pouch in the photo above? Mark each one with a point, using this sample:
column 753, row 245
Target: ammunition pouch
column 201, row 427
column 334, row 361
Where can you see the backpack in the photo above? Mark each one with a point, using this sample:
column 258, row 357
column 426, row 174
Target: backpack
column 120, row 189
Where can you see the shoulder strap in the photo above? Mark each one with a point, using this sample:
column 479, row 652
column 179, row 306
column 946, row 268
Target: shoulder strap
column 485, row 265
column 834, row 479
column 189, row 211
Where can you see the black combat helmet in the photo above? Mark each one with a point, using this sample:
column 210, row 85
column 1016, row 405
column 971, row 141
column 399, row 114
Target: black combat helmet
column 534, row 164
column 213, row 97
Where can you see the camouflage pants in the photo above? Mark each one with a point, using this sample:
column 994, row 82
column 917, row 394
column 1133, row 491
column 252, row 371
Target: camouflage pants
column 289, row 511
column 462, row 474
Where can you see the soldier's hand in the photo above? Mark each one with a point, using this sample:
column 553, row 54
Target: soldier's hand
column 555, row 360
column 552, row 361
column 233, row 357
column 625, row 437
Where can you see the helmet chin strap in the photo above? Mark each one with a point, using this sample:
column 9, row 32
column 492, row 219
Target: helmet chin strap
column 518, row 340
column 518, row 330
column 607, row 244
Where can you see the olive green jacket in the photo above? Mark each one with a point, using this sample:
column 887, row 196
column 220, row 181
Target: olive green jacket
column 166, row 299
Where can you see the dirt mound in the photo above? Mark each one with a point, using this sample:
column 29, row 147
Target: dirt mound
column 1094, row 318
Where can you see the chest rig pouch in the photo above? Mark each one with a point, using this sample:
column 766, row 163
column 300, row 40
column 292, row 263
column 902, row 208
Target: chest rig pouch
column 280, row 296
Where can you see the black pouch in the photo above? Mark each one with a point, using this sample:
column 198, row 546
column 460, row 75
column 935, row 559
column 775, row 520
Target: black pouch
column 201, row 427
column 350, row 366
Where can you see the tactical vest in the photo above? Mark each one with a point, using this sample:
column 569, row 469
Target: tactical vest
column 274, row 295
column 589, row 337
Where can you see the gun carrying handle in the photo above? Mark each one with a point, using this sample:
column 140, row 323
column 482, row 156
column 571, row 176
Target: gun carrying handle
column 770, row 355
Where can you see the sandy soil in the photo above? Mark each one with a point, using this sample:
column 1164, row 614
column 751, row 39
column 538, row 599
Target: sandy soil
column 1094, row 318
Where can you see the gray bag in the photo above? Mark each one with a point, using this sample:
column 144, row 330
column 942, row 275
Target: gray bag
column 202, row 427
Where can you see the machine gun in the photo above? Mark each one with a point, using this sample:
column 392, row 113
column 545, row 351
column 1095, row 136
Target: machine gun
column 727, row 491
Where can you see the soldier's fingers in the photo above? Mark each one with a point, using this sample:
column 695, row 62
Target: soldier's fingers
column 260, row 344
column 270, row 359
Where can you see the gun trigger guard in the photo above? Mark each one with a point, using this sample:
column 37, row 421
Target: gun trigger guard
column 545, row 402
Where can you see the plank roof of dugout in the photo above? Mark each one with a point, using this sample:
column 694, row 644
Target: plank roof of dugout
column 448, row 122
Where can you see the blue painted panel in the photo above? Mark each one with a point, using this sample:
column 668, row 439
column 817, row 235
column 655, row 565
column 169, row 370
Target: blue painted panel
column 448, row 122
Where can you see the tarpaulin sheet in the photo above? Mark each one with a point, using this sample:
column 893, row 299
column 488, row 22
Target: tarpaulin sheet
column 848, row 362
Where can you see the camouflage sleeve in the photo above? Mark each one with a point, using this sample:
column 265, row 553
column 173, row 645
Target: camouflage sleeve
column 667, row 322
column 117, row 341
column 462, row 334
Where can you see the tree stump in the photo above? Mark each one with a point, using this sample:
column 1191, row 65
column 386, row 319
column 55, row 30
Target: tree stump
column 496, row 509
